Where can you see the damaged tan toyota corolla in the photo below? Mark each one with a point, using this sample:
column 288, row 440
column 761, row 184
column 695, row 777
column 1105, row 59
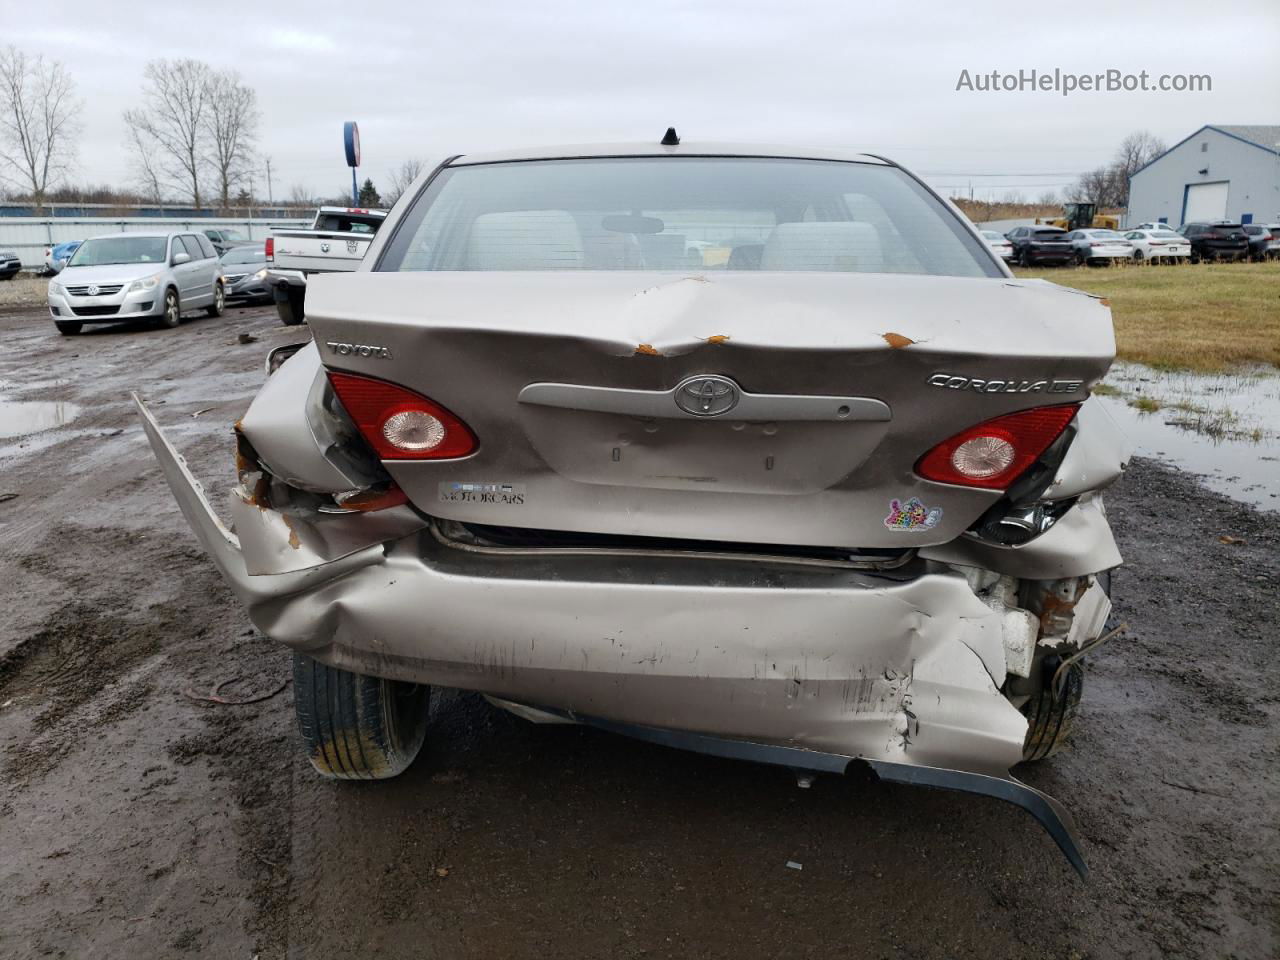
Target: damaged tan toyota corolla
column 757, row 452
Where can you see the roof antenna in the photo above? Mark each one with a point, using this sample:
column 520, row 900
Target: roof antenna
column 671, row 138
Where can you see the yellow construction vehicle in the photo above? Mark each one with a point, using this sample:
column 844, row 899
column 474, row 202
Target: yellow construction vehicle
column 1078, row 216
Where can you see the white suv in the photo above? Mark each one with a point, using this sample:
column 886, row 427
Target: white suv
column 128, row 276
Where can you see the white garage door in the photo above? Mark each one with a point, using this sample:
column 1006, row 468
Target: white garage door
column 1206, row 202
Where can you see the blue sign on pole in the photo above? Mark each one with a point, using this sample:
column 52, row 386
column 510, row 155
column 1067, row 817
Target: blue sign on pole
column 351, row 142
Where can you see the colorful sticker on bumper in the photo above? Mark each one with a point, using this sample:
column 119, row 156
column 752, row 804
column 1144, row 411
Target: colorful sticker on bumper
column 912, row 516
column 511, row 494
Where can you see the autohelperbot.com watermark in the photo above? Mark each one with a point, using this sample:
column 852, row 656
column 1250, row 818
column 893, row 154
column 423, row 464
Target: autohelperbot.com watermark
column 1065, row 83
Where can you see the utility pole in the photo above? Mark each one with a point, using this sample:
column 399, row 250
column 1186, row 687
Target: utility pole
column 269, row 201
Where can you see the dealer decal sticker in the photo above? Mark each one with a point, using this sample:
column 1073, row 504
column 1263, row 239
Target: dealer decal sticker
column 912, row 516
column 511, row 494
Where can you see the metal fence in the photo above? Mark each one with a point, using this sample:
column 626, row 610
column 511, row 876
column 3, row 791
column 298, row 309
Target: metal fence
column 29, row 237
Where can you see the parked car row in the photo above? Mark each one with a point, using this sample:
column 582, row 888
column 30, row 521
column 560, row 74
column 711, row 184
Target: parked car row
column 1156, row 242
column 160, row 276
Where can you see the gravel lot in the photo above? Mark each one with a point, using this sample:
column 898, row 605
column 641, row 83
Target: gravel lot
column 135, row 821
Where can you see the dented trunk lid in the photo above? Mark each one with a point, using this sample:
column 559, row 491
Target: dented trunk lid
column 575, row 384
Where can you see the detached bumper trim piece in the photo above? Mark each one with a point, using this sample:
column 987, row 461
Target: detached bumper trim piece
column 1048, row 812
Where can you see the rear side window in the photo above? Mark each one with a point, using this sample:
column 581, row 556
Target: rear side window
column 683, row 213
column 191, row 246
column 206, row 248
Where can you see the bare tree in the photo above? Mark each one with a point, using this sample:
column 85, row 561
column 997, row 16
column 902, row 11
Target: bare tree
column 39, row 120
column 172, row 121
column 1137, row 150
column 146, row 168
column 300, row 196
column 231, row 123
column 401, row 179
column 1048, row 198
column 1109, row 186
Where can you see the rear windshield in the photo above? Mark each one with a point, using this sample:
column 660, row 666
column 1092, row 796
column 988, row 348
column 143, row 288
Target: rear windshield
column 684, row 213
column 1049, row 234
column 341, row 223
column 1166, row 235
column 95, row 253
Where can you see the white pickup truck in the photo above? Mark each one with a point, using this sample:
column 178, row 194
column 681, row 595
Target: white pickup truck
column 337, row 240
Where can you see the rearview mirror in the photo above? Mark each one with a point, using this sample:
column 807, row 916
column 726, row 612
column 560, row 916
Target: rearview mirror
column 632, row 223
column 181, row 258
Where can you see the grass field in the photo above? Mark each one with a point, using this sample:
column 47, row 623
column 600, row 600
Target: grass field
column 1205, row 317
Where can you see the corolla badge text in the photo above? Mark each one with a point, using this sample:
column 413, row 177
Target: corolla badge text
column 953, row 382
column 358, row 349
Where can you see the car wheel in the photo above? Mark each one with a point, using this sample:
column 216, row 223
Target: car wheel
column 219, row 301
column 357, row 727
column 1049, row 720
column 1024, row 259
column 172, row 315
column 290, row 310
column 1081, row 259
column 1137, row 256
column 68, row 328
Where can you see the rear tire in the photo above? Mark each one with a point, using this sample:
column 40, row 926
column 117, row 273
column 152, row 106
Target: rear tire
column 290, row 310
column 219, row 301
column 357, row 727
column 1048, row 720
column 68, row 328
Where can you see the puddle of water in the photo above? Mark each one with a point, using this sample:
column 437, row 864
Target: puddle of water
column 19, row 418
column 1222, row 426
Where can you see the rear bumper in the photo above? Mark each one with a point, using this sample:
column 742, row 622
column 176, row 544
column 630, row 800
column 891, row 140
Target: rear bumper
column 278, row 279
column 1050, row 256
column 809, row 667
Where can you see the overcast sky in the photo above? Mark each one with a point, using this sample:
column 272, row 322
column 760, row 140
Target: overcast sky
column 426, row 80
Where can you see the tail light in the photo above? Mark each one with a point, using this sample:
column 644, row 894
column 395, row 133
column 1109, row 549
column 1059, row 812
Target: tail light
column 991, row 455
column 269, row 248
column 400, row 424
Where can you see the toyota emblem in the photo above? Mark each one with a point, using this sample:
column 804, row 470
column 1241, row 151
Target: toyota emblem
column 707, row 396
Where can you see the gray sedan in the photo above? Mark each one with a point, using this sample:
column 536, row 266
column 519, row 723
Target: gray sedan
column 244, row 270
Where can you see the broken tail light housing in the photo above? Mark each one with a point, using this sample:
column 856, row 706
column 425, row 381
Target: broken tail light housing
column 991, row 455
column 400, row 424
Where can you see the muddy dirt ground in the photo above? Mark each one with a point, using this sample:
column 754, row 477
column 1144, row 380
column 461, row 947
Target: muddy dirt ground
column 135, row 821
